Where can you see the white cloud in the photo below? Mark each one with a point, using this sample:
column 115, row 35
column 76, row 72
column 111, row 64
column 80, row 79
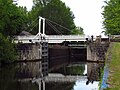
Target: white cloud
column 27, row 3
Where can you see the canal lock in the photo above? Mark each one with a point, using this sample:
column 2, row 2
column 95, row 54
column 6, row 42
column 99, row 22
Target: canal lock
column 90, row 70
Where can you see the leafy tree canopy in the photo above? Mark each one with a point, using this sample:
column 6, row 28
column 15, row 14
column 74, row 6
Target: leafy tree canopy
column 111, row 15
column 56, row 11
column 13, row 18
column 78, row 30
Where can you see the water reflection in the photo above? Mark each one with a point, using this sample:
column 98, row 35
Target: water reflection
column 59, row 86
column 80, row 85
column 71, row 69
column 94, row 72
column 9, row 79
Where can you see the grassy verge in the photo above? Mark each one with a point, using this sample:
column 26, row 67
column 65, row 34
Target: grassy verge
column 114, row 65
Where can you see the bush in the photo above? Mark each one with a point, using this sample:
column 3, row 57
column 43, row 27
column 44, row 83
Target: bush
column 7, row 49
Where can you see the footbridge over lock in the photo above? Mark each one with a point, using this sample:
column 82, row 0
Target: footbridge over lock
column 50, row 38
column 38, row 47
column 41, row 36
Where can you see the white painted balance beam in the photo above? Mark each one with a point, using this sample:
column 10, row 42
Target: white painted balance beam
column 49, row 38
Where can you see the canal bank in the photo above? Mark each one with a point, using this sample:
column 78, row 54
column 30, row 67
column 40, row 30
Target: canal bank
column 114, row 65
column 110, row 80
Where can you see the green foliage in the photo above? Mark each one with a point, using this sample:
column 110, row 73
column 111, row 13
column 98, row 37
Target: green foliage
column 78, row 30
column 111, row 15
column 56, row 11
column 7, row 51
column 13, row 18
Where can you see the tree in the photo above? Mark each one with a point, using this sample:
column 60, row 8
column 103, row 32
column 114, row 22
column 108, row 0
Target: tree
column 111, row 15
column 13, row 18
column 78, row 30
column 55, row 11
column 7, row 50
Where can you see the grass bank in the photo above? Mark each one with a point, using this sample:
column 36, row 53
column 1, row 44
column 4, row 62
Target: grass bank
column 114, row 66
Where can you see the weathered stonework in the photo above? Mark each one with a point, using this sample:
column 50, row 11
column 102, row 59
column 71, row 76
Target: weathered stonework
column 29, row 51
column 31, row 55
column 96, row 51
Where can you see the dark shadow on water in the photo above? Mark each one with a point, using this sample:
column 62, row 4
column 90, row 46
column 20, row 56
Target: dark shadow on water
column 59, row 86
column 9, row 78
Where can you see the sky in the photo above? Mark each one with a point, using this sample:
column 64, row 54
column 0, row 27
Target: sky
column 87, row 14
column 81, row 85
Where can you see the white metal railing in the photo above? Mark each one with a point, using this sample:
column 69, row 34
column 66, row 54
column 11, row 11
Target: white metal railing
column 66, row 36
column 114, row 36
column 50, row 38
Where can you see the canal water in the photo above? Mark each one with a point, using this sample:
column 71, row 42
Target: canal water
column 89, row 71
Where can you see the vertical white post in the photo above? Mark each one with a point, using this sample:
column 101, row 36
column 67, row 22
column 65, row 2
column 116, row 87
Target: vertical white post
column 43, row 84
column 40, row 85
column 39, row 26
column 43, row 26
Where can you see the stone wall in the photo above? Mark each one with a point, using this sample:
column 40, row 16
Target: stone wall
column 29, row 51
column 97, row 51
column 31, row 55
